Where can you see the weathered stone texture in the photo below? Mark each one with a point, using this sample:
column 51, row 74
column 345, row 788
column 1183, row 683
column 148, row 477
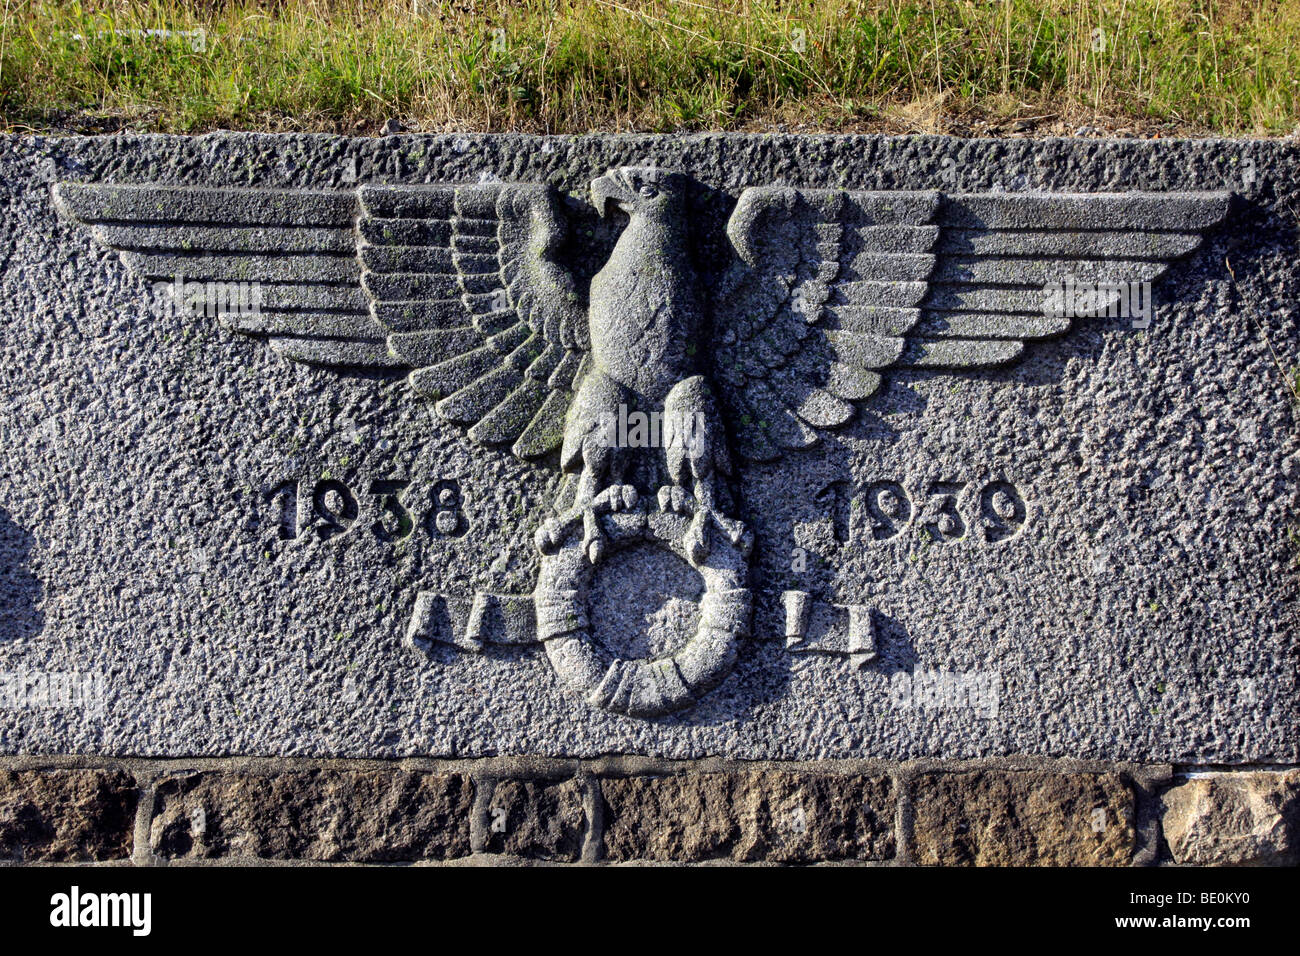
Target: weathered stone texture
column 760, row 816
column 1239, row 819
column 320, row 815
column 1023, row 818
column 1112, row 578
column 66, row 815
column 536, row 819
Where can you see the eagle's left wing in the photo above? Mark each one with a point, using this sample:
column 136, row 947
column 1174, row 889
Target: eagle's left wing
column 458, row 284
column 834, row 287
column 296, row 248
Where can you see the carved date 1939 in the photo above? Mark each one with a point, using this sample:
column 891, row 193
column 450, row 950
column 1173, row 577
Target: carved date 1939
column 940, row 510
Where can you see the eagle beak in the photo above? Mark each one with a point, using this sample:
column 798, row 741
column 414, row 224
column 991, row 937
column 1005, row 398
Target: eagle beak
column 611, row 188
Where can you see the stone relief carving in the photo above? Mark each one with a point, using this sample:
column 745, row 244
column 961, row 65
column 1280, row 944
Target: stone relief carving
column 465, row 287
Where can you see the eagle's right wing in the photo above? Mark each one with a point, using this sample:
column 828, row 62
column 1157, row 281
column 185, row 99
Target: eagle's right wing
column 466, row 281
column 457, row 283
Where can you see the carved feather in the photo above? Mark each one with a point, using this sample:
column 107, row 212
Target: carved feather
column 492, row 300
column 914, row 279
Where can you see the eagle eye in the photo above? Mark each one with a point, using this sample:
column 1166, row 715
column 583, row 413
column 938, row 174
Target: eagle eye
column 648, row 191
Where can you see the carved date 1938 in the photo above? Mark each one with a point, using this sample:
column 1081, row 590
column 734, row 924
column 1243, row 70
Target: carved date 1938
column 330, row 507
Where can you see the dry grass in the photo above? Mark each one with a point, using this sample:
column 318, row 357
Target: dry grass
column 1009, row 66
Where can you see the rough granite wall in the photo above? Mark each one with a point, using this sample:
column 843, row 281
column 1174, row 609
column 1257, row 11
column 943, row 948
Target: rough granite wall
column 1133, row 621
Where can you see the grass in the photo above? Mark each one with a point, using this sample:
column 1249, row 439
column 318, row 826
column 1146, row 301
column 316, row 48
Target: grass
column 1142, row 66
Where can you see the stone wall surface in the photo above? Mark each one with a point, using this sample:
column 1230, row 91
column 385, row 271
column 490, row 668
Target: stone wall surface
column 1237, row 819
column 1133, row 601
column 636, row 811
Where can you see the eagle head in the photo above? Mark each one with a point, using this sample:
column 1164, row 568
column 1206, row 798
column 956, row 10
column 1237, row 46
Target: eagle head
column 638, row 189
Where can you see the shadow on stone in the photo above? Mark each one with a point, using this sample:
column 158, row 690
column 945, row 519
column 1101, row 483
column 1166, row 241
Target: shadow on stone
column 20, row 590
column 895, row 646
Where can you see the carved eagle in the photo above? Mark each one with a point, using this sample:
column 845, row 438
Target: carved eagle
column 465, row 288
column 462, row 285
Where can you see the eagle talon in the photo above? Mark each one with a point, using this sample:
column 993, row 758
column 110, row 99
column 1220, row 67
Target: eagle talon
column 745, row 542
column 735, row 530
column 674, row 499
column 616, row 498
column 553, row 532
column 697, row 540
column 594, row 544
